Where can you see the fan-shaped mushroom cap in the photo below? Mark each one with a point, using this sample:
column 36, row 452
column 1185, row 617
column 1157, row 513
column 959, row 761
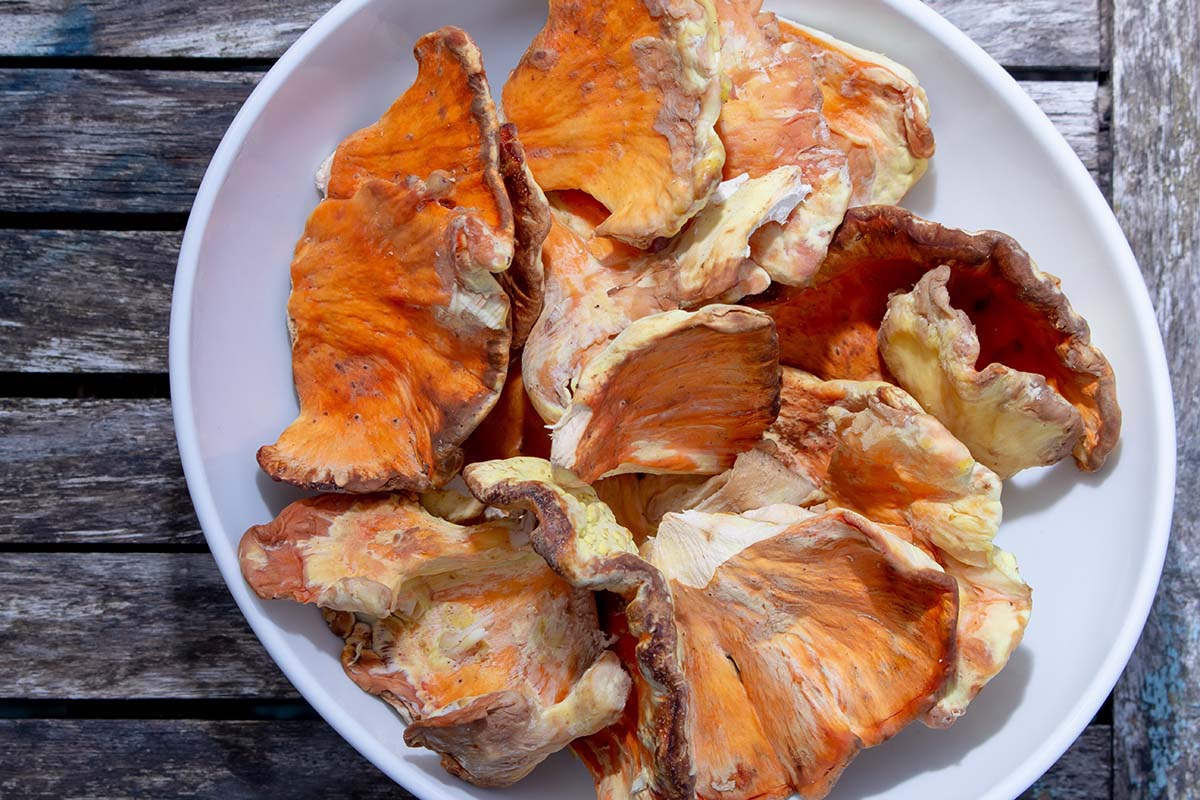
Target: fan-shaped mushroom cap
column 360, row 554
column 493, row 659
column 619, row 100
column 723, row 702
column 803, row 642
column 1009, row 419
column 877, row 111
column 580, row 539
column 876, row 452
column 681, row 392
column 1022, row 319
column 772, row 118
column 399, row 341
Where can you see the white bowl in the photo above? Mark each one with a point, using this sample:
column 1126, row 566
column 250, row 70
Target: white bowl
column 1090, row 545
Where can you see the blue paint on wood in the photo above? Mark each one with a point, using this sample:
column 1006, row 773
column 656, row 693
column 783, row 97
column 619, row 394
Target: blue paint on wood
column 1159, row 697
column 74, row 33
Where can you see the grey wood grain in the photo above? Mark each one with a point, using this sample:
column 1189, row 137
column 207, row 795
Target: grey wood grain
column 92, row 301
column 1073, row 108
column 219, row 28
column 219, row 759
column 90, row 471
column 1061, row 33
column 199, row 759
column 111, row 141
column 1030, row 33
column 1156, row 190
column 116, row 625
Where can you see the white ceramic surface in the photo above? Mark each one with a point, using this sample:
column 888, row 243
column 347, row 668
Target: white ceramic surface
column 1091, row 546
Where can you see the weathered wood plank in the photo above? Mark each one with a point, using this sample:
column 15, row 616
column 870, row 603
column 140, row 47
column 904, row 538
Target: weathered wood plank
column 263, row 760
column 1156, row 191
column 90, row 471
column 1059, row 33
column 1072, row 107
column 1083, row 773
column 111, row 141
column 203, row 760
column 220, row 28
column 90, row 301
column 1030, row 33
column 109, row 625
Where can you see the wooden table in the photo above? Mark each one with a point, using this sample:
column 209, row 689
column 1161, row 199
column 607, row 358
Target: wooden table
column 125, row 669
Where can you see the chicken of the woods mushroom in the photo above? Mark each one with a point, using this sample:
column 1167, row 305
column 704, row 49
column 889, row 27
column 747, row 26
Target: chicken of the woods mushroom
column 620, row 100
column 675, row 392
column 400, row 330
column 694, row 441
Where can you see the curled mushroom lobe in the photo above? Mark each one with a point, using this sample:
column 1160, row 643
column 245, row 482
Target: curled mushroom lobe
column 491, row 658
column 619, row 100
column 1022, row 321
column 764, row 654
column 1009, row 419
column 524, row 280
column 871, row 449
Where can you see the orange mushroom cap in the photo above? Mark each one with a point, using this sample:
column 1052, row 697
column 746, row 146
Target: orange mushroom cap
column 721, row 616
column 871, row 449
column 399, row 342
column 803, row 642
column 619, row 100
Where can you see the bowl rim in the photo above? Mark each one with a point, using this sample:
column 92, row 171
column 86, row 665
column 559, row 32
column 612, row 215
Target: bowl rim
column 986, row 69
